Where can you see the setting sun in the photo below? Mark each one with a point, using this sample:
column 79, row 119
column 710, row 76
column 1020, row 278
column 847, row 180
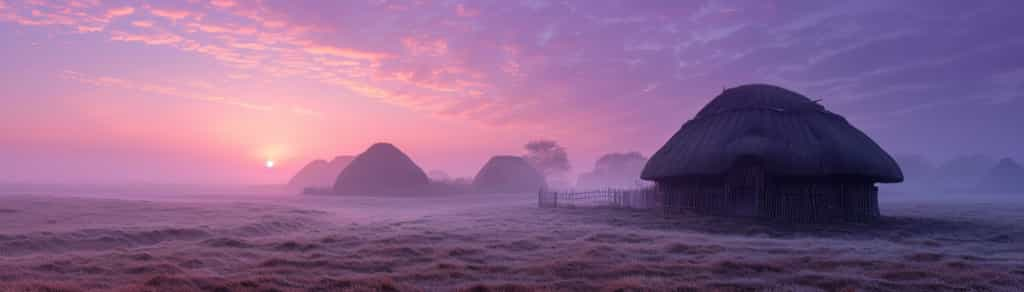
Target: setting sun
column 269, row 164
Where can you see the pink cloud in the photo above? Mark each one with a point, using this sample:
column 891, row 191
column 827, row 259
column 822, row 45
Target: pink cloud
column 120, row 11
column 223, row 3
column 163, row 90
column 248, row 46
column 447, row 79
column 345, row 52
column 76, row 15
column 222, row 29
column 170, row 14
column 84, row 3
column 149, row 39
column 304, row 111
column 239, row 76
column 40, row 18
column 142, row 23
column 462, row 10
column 420, row 67
column 293, row 53
column 209, row 28
column 88, row 28
column 424, row 46
column 273, row 23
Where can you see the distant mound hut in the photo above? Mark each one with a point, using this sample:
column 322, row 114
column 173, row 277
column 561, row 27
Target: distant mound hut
column 311, row 175
column 508, row 174
column 765, row 151
column 382, row 169
column 1006, row 177
column 319, row 173
column 335, row 167
column 962, row 172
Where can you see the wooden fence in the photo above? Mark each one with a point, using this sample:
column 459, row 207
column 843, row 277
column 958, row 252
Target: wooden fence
column 646, row 198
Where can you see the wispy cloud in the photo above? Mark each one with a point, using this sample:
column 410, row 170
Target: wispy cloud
column 120, row 11
column 160, row 90
column 170, row 14
column 223, row 3
column 562, row 60
column 463, row 10
column 149, row 39
column 142, row 23
column 345, row 52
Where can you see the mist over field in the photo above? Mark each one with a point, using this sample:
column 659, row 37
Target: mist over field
column 153, row 241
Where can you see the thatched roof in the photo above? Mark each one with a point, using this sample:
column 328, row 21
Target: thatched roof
column 320, row 173
column 311, row 175
column 336, row 165
column 789, row 133
column 1006, row 176
column 510, row 174
column 381, row 169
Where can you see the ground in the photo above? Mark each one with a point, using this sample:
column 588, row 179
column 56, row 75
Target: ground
column 282, row 242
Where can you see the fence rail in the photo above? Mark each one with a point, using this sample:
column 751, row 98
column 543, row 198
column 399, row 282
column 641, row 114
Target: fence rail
column 646, row 198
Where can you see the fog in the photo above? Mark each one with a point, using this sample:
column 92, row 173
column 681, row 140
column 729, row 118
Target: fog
column 960, row 174
column 941, row 230
column 174, row 239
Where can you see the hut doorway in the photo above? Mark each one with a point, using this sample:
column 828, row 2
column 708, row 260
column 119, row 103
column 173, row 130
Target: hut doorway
column 746, row 184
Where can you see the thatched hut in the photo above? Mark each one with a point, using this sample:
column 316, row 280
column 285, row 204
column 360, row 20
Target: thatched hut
column 765, row 151
column 508, row 174
column 382, row 169
column 320, row 173
column 1006, row 177
column 310, row 176
column 336, row 165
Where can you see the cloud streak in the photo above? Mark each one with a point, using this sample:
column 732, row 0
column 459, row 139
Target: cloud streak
column 159, row 90
column 610, row 66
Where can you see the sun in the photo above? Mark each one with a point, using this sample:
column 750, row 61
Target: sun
column 269, row 164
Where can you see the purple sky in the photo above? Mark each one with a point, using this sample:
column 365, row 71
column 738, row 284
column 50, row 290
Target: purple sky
column 206, row 91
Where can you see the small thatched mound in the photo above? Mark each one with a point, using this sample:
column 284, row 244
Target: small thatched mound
column 320, row 173
column 790, row 134
column 311, row 175
column 335, row 167
column 1005, row 177
column 508, row 174
column 382, row 169
column 962, row 172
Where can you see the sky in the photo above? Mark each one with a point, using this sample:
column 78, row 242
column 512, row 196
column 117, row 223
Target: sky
column 204, row 91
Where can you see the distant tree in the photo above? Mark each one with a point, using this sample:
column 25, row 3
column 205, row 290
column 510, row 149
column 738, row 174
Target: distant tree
column 548, row 157
column 629, row 162
column 438, row 175
column 618, row 170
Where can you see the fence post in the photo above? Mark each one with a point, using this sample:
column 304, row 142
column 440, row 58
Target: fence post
column 540, row 198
